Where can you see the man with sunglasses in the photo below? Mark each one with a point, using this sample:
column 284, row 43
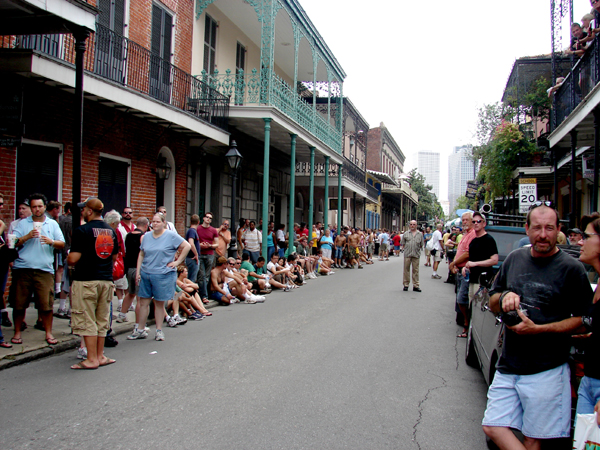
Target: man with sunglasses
column 483, row 253
column 542, row 292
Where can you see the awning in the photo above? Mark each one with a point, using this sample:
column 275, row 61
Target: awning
column 383, row 177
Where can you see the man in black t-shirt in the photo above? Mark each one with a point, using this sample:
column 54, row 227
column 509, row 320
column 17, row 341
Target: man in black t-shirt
column 94, row 249
column 531, row 390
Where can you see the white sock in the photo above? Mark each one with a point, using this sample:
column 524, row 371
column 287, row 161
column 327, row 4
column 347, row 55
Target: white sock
column 4, row 310
column 247, row 295
column 434, row 272
column 56, row 287
column 120, row 302
column 61, row 304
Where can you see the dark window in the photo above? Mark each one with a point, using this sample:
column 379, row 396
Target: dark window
column 240, row 65
column 112, row 183
column 37, row 171
column 210, row 44
column 160, row 58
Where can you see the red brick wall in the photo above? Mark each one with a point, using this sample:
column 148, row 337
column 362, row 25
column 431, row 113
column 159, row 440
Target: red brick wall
column 374, row 150
column 105, row 130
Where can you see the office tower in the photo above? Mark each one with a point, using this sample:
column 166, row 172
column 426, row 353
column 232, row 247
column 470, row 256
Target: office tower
column 460, row 170
column 428, row 165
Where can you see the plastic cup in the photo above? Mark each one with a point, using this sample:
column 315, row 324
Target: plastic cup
column 38, row 226
column 12, row 239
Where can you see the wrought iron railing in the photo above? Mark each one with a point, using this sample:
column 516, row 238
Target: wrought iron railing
column 122, row 61
column 244, row 88
column 354, row 173
column 584, row 76
column 372, row 193
column 349, row 170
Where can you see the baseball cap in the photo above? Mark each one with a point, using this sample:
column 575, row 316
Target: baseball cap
column 574, row 230
column 93, row 203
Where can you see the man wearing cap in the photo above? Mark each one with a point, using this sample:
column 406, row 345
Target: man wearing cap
column 575, row 235
column 33, row 270
column 94, row 249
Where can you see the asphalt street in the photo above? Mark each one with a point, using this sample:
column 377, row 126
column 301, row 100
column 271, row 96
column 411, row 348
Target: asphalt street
column 345, row 362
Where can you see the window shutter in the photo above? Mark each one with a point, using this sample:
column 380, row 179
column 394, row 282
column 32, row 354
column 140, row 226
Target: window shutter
column 104, row 16
column 119, row 22
column 156, row 30
column 167, row 36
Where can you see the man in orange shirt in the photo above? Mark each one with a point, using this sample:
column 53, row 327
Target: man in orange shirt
column 460, row 261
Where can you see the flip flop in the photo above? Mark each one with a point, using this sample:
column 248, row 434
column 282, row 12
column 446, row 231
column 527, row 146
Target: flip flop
column 207, row 313
column 17, row 341
column 205, row 301
column 80, row 366
column 52, row 341
column 108, row 362
column 5, row 345
column 462, row 335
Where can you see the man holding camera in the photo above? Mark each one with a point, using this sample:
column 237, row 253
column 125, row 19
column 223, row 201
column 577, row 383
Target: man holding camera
column 542, row 293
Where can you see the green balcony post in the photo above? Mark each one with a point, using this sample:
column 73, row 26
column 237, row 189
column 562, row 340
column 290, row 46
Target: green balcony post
column 292, row 206
column 340, row 198
column 311, row 193
column 265, row 197
column 326, row 200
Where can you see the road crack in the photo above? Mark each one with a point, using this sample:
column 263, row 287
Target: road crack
column 421, row 407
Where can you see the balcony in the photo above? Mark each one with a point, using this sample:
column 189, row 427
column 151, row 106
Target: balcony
column 245, row 89
column 350, row 171
column 582, row 80
column 372, row 193
column 124, row 62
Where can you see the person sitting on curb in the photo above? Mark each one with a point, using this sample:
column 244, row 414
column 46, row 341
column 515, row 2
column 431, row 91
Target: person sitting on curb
column 190, row 289
column 259, row 282
column 277, row 273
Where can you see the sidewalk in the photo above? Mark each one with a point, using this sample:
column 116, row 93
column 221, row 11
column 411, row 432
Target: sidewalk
column 34, row 341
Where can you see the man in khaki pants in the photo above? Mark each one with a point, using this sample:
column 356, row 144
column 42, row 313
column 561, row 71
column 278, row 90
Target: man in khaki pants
column 412, row 242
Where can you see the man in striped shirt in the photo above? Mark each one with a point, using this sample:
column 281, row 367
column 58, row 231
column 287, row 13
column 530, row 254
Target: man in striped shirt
column 252, row 239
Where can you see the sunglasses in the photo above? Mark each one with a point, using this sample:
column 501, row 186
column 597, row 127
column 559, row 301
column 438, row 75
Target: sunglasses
column 547, row 203
column 586, row 236
column 478, row 221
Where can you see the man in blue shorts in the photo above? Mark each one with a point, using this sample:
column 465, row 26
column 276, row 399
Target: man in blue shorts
column 542, row 292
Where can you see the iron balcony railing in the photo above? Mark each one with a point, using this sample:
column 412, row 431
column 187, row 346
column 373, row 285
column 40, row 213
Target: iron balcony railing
column 372, row 193
column 244, row 88
column 350, row 171
column 120, row 60
column 584, row 76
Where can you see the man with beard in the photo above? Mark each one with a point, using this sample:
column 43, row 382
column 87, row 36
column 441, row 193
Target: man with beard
column 542, row 292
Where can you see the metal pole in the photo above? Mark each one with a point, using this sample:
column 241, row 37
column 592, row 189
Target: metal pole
column 292, row 205
column 555, row 158
column 232, row 251
column 340, row 198
column 326, row 199
column 354, row 209
column 265, row 205
column 311, row 193
column 80, row 38
column 573, row 213
column 596, row 157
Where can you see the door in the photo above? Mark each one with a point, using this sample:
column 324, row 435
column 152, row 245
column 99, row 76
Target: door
column 37, row 171
column 160, row 57
column 113, row 183
column 110, row 43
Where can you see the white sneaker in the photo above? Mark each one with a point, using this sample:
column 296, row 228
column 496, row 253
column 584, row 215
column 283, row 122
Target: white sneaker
column 82, row 353
column 251, row 300
column 331, row 272
column 260, row 298
column 131, row 308
column 171, row 322
column 287, row 289
column 137, row 334
column 122, row 318
column 159, row 336
column 180, row 320
column 234, row 300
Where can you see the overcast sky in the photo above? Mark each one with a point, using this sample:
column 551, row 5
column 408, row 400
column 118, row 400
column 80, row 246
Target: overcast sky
column 424, row 68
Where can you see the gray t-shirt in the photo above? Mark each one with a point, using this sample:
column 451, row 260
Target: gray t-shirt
column 158, row 252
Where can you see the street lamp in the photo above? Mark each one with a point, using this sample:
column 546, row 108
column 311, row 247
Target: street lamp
column 234, row 159
column 163, row 168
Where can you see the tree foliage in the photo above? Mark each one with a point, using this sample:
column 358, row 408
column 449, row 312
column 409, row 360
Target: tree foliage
column 462, row 202
column 428, row 208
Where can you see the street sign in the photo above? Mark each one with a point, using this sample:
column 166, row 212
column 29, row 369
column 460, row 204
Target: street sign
column 527, row 193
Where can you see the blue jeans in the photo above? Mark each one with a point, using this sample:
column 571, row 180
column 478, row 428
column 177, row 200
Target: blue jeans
column 270, row 251
column 1, row 336
column 203, row 280
column 253, row 256
column 587, row 396
column 192, row 267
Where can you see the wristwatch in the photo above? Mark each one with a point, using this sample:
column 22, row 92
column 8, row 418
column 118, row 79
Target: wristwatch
column 587, row 322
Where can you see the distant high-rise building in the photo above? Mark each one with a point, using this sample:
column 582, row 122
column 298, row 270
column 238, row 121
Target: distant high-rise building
column 428, row 165
column 460, row 170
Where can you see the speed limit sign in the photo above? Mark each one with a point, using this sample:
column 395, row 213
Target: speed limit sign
column 527, row 193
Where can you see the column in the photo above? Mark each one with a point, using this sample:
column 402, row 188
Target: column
column 311, row 193
column 326, row 200
column 265, row 196
column 596, row 159
column 340, row 198
column 292, row 204
column 80, row 38
column 574, row 213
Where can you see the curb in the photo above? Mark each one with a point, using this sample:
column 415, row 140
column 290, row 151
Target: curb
column 39, row 353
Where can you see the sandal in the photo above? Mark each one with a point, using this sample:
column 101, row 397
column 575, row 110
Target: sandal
column 5, row 345
column 207, row 313
column 81, row 366
column 17, row 341
column 52, row 341
column 205, row 301
column 462, row 335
